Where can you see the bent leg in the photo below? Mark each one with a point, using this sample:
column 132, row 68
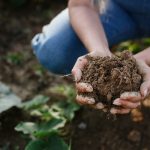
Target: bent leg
column 58, row 46
column 118, row 24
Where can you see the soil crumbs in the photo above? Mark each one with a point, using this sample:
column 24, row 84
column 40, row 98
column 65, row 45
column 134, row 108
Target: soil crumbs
column 111, row 76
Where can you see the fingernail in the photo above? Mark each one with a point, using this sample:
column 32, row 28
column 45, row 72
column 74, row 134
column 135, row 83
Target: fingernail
column 89, row 88
column 76, row 79
column 91, row 101
column 113, row 111
column 117, row 102
column 124, row 95
column 145, row 93
column 139, row 104
column 99, row 106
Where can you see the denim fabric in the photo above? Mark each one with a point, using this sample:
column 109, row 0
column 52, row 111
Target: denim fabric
column 58, row 46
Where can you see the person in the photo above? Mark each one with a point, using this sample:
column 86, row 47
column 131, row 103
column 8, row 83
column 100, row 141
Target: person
column 83, row 29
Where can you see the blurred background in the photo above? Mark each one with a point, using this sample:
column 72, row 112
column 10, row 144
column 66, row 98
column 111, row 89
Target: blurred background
column 37, row 109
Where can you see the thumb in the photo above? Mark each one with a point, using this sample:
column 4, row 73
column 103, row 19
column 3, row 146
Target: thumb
column 77, row 69
column 145, row 89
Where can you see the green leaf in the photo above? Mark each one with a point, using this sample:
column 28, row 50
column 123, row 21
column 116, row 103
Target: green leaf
column 41, row 130
column 53, row 142
column 27, row 127
column 56, row 143
column 64, row 109
column 69, row 111
column 45, row 129
column 146, row 41
column 14, row 58
column 37, row 145
column 7, row 98
column 35, row 102
column 66, row 90
column 134, row 48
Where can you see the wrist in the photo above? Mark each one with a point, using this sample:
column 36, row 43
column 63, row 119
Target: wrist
column 140, row 58
column 144, row 56
column 101, row 52
column 141, row 62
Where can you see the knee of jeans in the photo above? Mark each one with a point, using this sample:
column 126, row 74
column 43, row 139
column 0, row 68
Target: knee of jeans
column 50, row 55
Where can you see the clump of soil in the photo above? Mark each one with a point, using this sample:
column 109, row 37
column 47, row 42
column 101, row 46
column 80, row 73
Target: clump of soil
column 111, row 76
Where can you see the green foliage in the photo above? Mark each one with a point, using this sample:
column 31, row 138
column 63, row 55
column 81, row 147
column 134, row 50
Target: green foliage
column 51, row 143
column 131, row 46
column 64, row 109
column 38, row 70
column 36, row 102
column 134, row 46
column 65, row 90
column 45, row 133
column 146, row 42
column 27, row 127
column 14, row 58
column 41, row 130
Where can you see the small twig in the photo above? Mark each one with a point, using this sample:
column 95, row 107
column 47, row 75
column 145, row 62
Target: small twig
column 68, row 76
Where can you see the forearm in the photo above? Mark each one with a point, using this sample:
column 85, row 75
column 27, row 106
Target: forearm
column 144, row 55
column 85, row 21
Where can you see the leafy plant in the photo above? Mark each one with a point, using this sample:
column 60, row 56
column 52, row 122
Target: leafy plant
column 52, row 143
column 14, row 58
column 45, row 132
column 134, row 46
column 36, row 102
column 38, row 70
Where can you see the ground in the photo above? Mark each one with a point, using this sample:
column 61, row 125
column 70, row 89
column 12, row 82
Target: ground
column 91, row 129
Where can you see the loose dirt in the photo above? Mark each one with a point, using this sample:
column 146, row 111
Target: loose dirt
column 111, row 76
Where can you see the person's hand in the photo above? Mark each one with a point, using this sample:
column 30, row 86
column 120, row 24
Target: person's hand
column 85, row 87
column 131, row 100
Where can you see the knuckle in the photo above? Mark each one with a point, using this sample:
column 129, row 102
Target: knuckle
column 132, row 106
column 80, row 58
column 73, row 71
column 78, row 98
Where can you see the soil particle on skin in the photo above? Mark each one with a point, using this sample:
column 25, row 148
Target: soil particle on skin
column 111, row 76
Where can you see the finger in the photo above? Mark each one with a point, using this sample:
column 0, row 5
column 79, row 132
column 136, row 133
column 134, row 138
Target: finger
column 143, row 67
column 77, row 69
column 85, row 100
column 119, row 111
column 145, row 89
column 126, row 104
column 131, row 96
column 84, row 87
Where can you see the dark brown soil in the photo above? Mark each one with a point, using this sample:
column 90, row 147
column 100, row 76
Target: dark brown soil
column 111, row 76
column 92, row 131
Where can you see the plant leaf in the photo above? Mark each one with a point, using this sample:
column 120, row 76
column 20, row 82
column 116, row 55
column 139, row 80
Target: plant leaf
column 64, row 109
column 35, row 102
column 27, row 127
column 37, row 145
column 53, row 142
column 45, row 129
column 41, row 130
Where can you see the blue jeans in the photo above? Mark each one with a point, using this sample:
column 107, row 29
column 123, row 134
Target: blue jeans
column 58, row 46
